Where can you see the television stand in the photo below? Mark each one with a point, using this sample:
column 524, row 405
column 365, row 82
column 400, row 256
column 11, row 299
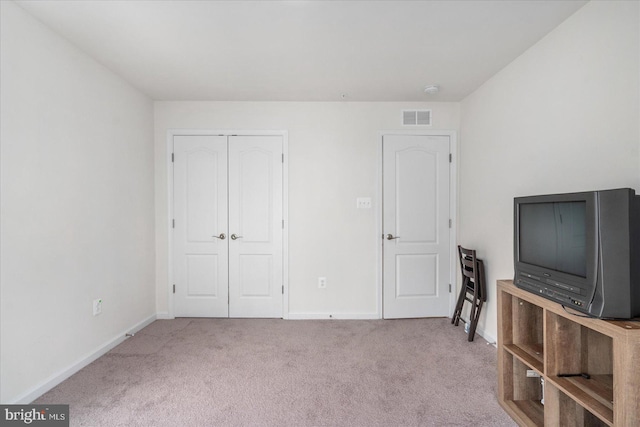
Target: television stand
column 589, row 367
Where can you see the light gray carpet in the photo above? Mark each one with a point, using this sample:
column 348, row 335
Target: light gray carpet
column 258, row 372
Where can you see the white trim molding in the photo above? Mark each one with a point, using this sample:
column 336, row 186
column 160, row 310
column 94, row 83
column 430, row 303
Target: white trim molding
column 453, row 210
column 336, row 316
column 64, row 374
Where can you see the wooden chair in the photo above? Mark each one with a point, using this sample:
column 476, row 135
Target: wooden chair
column 473, row 289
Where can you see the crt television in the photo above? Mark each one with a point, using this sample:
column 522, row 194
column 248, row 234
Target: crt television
column 581, row 250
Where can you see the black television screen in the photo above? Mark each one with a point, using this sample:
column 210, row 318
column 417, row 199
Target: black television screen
column 553, row 235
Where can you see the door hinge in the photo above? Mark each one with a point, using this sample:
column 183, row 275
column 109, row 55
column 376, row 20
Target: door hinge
column 172, row 158
column 283, row 224
column 174, row 288
column 450, row 158
column 173, row 223
column 449, row 222
column 449, row 287
column 282, row 289
column 282, row 157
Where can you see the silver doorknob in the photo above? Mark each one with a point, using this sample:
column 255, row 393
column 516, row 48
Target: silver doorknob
column 390, row 237
column 234, row 237
column 221, row 236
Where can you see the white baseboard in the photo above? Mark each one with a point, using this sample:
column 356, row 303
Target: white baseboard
column 56, row 379
column 490, row 339
column 340, row 316
column 163, row 315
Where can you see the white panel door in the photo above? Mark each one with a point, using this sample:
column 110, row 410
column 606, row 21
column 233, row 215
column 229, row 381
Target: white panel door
column 416, row 244
column 200, row 252
column 255, row 226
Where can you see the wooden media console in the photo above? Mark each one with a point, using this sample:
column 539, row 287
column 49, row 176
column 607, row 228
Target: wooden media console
column 586, row 370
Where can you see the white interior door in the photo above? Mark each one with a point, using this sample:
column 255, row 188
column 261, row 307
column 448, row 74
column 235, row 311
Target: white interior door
column 416, row 253
column 255, row 226
column 200, row 250
column 228, row 226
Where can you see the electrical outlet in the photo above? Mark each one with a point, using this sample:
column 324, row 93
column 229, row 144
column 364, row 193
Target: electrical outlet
column 322, row 282
column 363, row 202
column 97, row 306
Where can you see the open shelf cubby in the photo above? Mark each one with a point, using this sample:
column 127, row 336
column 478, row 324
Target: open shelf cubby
column 562, row 410
column 575, row 349
column 589, row 367
column 524, row 336
column 523, row 394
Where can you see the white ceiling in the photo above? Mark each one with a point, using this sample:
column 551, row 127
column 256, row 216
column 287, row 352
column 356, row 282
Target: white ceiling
column 303, row 50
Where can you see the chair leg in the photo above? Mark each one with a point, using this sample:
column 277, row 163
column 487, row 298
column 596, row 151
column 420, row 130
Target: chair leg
column 472, row 314
column 474, row 321
column 478, row 296
column 458, row 311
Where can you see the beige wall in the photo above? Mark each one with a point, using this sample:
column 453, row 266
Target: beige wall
column 562, row 117
column 333, row 157
column 77, row 207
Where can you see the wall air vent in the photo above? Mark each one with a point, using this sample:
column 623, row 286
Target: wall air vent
column 416, row 117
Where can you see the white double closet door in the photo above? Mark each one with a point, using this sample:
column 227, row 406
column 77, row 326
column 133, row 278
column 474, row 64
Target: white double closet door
column 228, row 229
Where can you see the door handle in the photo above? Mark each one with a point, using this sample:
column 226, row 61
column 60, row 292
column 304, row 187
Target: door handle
column 234, row 237
column 221, row 236
column 390, row 237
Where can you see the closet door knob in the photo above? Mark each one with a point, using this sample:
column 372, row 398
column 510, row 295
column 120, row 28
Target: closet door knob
column 221, row 236
column 390, row 237
column 234, row 237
